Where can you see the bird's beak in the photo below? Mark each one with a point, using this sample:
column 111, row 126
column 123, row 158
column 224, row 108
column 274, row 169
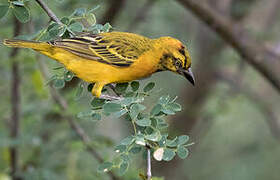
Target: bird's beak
column 189, row 75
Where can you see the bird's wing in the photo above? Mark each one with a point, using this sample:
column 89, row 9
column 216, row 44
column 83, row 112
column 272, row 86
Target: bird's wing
column 121, row 51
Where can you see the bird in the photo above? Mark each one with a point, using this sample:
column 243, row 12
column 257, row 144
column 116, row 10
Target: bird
column 114, row 57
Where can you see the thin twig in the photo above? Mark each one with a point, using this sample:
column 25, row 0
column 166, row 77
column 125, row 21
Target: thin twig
column 15, row 101
column 48, row 11
column 149, row 164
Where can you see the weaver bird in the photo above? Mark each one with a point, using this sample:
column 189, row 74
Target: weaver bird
column 114, row 57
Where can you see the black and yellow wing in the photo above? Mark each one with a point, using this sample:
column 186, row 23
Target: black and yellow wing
column 115, row 48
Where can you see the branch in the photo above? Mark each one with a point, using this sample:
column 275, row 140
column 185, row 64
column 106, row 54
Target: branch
column 48, row 11
column 261, row 58
column 15, row 101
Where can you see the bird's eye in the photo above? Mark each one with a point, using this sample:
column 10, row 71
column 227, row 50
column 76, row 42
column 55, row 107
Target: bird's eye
column 178, row 63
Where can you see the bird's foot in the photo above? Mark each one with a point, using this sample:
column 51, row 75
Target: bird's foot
column 110, row 98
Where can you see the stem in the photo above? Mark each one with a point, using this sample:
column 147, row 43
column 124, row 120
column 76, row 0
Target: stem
column 134, row 126
column 15, row 101
column 48, row 11
column 149, row 164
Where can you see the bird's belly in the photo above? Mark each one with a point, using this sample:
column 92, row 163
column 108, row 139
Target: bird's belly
column 92, row 71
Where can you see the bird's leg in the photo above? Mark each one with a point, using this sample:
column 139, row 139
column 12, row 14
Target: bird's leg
column 97, row 88
column 113, row 86
column 96, row 91
column 110, row 98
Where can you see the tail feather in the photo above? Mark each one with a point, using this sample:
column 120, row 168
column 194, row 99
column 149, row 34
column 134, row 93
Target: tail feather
column 40, row 46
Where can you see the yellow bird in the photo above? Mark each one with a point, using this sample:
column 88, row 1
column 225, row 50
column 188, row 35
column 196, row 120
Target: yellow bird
column 114, row 57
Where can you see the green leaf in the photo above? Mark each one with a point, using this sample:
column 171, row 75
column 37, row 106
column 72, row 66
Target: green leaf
column 59, row 83
column 182, row 152
column 140, row 140
column 161, row 124
column 21, row 13
column 134, row 85
column 123, row 167
column 79, row 91
column 156, row 110
column 91, row 19
column 79, row 12
column 54, row 30
column 174, row 107
column 112, row 107
column 128, row 140
column 96, row 116
column 125, row 157
column 97, row 103
column 183, row 139
column 120, row 148
column 105, row 167
column 167, row 110
column 68, row 76
column 172, row 143
column 155, row 136
column 83, row 115
column 144, row 122
column 17, row 3
column 107, row 27
column 149, row 87
column 135, row 150
column 168, row 154
column 3, row 10
column 121, row 87
column 135, row 109
column 65, row 20
column 164, row 100
column 120, row 113
column 76, row 27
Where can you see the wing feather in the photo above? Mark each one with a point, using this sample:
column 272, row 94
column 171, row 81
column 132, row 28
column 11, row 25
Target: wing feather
column 117, row 49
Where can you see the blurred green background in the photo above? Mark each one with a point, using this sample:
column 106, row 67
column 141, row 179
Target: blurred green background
column 232, row 114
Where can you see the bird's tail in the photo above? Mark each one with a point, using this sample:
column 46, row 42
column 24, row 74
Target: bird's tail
column 39, row 46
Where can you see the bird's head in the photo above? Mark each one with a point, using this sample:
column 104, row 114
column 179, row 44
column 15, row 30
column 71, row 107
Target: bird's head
column 176, row 58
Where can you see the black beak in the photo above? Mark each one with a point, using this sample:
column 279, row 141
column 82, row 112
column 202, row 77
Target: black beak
column 189, row 75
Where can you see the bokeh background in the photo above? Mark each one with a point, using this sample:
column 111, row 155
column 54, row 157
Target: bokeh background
column 232, row 114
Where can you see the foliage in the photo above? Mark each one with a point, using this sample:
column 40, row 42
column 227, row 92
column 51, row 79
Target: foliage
column 149, row 125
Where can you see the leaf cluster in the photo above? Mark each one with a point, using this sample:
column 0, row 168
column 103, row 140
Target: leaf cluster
column 148, row 123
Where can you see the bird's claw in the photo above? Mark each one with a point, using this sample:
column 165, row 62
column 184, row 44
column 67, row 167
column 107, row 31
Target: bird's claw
column 110, row 98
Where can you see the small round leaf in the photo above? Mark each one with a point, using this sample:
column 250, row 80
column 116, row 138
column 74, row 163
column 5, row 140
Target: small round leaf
column 59, row 83
column 168, row 154
column 21, row 13
column 105, row 167
column 143, row 122
column 182, row 152
column 3, row 10
column 134, row 85
column 112, row 107
column 149, row 87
